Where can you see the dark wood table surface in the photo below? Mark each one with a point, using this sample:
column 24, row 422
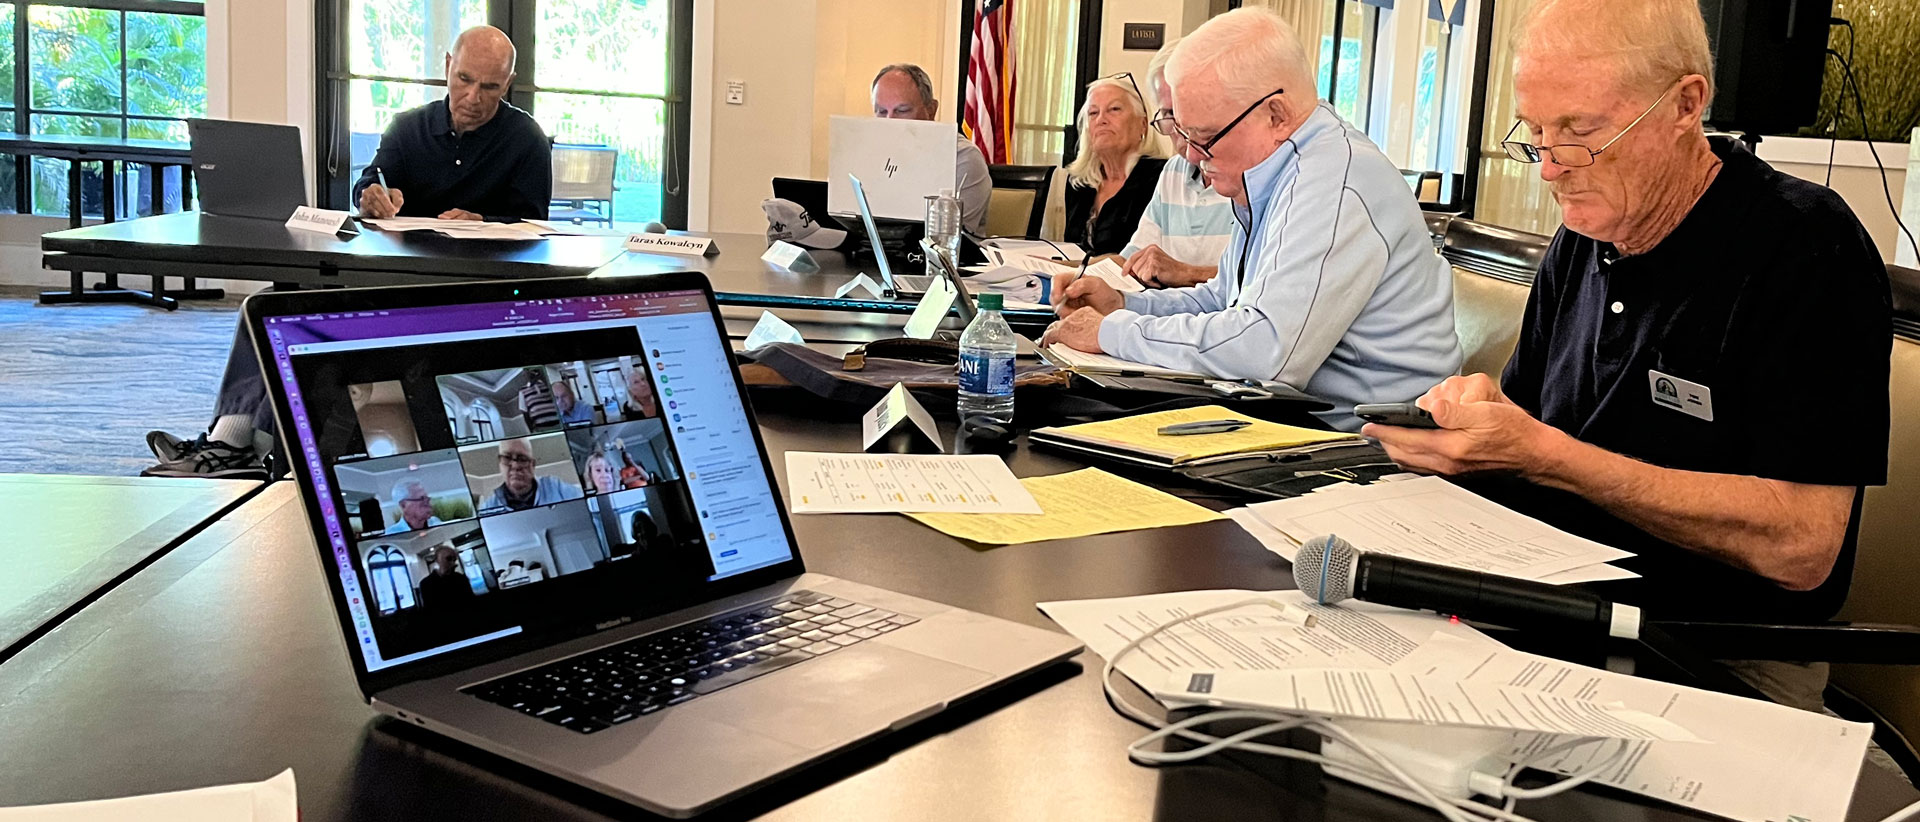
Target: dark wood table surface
column 203, row 245
column 251, row 249
column 223, row 662
column 68, row 537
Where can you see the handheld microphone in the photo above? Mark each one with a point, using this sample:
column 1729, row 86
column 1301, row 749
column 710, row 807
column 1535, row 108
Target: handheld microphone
column 1330, row 569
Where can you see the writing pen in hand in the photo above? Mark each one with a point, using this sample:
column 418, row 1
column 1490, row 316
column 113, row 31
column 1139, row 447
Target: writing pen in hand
column 1187, row 429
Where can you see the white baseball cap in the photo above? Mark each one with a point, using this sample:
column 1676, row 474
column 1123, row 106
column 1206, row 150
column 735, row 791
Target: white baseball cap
column 786, row 220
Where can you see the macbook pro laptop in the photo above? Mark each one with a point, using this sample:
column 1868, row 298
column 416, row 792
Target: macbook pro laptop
column 905, row 285
column 245, row 169
column 903, row 161
column 608, row 592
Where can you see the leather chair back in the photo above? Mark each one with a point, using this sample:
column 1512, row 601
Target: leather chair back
column 1493, row 272
column 1887, row 559
column 1016, row 188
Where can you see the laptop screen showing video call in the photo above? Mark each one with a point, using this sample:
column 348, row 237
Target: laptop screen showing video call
column 482, row 467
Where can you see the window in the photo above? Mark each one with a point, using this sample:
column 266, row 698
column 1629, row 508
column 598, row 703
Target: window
column 1430, row 95
column 392, row 584
column 1357, row 27
column 613, row 73
column 112, row 68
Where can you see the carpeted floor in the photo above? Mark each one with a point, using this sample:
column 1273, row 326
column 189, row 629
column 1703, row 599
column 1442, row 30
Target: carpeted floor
column 81, row 385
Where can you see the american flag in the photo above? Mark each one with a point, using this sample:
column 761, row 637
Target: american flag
column 989, row 113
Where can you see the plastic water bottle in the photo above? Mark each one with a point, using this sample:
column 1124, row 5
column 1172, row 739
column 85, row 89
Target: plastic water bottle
column 943, row 227
column 986, row 365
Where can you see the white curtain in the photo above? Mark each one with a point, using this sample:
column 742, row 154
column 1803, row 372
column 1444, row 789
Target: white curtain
column 1510, row 193
column 1046, row 42
column 1311, row 20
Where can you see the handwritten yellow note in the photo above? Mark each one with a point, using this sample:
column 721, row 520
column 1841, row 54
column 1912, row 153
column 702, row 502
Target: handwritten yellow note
column 1075, row 504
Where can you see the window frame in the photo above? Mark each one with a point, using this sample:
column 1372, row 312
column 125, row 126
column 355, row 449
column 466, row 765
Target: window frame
column 334, row 75
column 22, row 108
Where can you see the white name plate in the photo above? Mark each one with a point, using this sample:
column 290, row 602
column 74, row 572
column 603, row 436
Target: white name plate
column 863, row 282
column 670, row 244
column 318, row 220
column 897, row 408
column 790, row 257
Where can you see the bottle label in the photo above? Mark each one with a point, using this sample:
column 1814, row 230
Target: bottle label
column 984, row 373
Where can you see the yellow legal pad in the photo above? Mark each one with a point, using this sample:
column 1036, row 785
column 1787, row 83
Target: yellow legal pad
column 1139, row 435
column 1075, row 504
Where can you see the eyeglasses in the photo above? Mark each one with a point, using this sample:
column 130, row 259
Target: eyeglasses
column 515, row 459
column 1136, row 86
column 1571, row 155
column 415, row 500
column 1206, row 148
column 1163, row 123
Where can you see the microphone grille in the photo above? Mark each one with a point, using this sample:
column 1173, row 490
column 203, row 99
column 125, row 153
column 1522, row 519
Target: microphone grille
column 1323, row 569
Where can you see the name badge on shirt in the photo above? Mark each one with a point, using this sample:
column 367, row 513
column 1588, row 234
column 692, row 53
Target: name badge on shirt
column 1690, row 398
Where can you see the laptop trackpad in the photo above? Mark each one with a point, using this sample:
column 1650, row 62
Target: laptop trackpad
column 843, row 696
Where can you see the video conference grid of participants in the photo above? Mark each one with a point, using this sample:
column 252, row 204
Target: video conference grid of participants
column 464, row 490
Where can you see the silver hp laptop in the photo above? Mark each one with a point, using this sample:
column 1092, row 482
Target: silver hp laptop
column 550, row 530
column 245, row 169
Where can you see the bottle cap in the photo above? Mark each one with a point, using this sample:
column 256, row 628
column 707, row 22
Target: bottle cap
column 990, row 302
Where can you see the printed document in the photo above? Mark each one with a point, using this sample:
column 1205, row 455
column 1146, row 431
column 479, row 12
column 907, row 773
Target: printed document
column 1389, row 696
column 272, row 800
column 1255, row 637
column 1432, row 520
column 891, row 483
column 1075, row 504
column 1765, row 761
column 1274, row 540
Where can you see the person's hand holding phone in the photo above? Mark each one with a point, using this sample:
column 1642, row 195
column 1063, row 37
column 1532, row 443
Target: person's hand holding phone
column 1476, row 429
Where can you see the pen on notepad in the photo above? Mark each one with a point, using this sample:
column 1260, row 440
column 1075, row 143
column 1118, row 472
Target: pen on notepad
column 1186, row 429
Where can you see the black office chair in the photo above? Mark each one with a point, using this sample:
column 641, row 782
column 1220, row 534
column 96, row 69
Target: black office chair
column 1019, row 202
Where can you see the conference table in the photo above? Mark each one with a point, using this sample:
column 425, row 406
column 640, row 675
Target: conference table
column 68, row 538
column 238, row 248
column 223, row 662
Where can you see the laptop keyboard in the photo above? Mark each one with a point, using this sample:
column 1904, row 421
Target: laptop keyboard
column 597, row 690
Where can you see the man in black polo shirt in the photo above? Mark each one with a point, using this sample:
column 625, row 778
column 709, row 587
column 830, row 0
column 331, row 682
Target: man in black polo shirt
column 467, row 156
column 1701, row 376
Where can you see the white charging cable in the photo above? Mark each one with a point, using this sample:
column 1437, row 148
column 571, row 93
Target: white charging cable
column 1383, row 771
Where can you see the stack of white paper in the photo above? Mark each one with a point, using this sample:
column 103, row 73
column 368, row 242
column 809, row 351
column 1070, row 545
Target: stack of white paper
column 1088, row 362
column 1432, row 520
column 463, row 229
column 1036, row 248
column 273, row 800
column 1759, row 761
column 1766, row 761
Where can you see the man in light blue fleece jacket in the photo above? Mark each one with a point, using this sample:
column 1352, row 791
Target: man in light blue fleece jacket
column 1331, row 283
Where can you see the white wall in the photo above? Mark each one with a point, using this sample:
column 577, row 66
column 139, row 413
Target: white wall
column 1855, row 178
column 813, row 60
column 1180, row 17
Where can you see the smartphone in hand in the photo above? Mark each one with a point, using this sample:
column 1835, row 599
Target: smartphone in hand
column 1403, row 414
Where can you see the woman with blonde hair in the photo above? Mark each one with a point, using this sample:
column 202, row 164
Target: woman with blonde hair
column 1112, row 178
column 601, row 477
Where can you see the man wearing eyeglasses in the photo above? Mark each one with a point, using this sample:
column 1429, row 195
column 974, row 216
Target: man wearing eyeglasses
column 520, row 488
column 1330, row 283
column 1701, row 376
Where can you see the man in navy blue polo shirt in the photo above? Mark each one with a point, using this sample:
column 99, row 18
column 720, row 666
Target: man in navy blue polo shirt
column 467, row 156
column 1701, row 376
